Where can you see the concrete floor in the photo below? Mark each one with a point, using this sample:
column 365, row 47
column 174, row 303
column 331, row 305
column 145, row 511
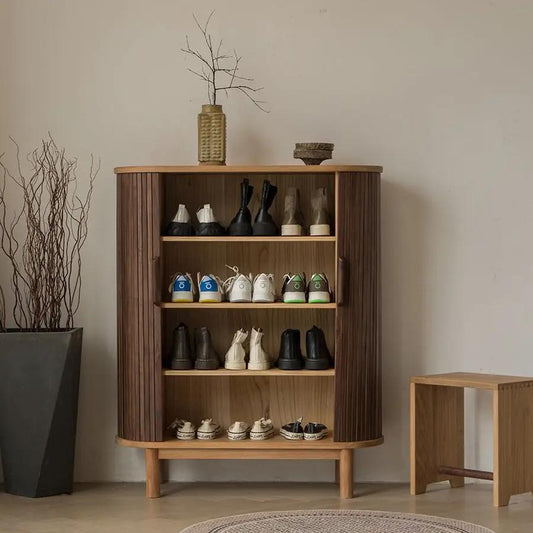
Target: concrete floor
column 121, row 507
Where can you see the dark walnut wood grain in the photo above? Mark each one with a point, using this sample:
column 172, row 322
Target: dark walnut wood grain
column 140, row 395
column 358, row 328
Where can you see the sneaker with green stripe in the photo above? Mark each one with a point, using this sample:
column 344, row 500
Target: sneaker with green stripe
column 293, row 290
column 318, row 289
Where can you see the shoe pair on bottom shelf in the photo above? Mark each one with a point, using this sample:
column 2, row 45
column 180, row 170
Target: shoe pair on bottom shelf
column 186, row 430
column 236, row 355
column 295, row 431
column 290, row 353
column 262, row 429
column 181, row 357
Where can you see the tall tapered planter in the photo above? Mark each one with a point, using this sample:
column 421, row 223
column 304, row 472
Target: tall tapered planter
column 39, row 383
column 211, row 135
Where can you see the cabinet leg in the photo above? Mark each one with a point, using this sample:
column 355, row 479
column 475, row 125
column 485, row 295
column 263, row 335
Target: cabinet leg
column 152, row 473
column 346, row 473
column 337, row 476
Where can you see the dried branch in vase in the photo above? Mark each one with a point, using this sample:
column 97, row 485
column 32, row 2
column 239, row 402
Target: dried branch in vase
column 44, row 238
column 219, row 70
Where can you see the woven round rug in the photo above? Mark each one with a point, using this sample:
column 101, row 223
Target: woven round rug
column 334, row 522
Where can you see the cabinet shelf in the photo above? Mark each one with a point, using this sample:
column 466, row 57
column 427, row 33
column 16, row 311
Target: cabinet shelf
column 330, row 372
column 249, row 239
column 256, row 306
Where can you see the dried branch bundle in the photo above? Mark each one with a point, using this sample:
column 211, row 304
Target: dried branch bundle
column 220, row 70
column 44, row 238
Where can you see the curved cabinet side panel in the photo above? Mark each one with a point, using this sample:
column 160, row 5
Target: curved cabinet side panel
column 139, row 320
column 358, row 354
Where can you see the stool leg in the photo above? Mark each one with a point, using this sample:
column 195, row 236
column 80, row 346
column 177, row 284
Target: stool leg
column 437, row 434
column 152, row 472
column 346, row 473
column 337, row 467
column 513, row 435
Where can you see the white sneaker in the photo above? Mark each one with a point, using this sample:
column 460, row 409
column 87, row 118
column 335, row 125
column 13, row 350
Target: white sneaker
column 262, row 430
column 238, row 431
column 236, row 353
column 259, row 359
column 238, row 288
column 210, row 287
column 208, row 430
column 184, row 429
column 264, row 291
column 181, row 288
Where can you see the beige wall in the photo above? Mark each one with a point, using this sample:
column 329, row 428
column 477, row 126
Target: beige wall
column 440, row 93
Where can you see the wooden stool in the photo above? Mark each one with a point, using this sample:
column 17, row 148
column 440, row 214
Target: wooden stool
column 437, row 432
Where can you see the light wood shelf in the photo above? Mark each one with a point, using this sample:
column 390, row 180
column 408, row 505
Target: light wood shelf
column 257, row 306
column 277, row 443
column 249, row 239
column 330, row 372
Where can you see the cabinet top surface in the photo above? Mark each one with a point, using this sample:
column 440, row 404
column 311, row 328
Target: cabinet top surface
column 472, row 380
column 248, row 169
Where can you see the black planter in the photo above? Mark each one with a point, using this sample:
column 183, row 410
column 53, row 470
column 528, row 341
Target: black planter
column 39, row 381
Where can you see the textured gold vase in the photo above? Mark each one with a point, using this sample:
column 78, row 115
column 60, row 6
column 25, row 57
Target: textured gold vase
column 212, row 135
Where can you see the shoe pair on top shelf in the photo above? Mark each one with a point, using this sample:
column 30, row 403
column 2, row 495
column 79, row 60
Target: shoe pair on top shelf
column 317, row 357
column 236, row 354
column 182, row 356
column 262, row 429
column 293, row 222
column 241, row 224
column 296, row 290
column 211, row 289
column 295, row 431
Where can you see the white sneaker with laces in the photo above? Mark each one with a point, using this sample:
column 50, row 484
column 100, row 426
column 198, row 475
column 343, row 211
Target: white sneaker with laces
column 262, row 430
column 238, row 288
column 259, row 359
column 182, row 288
column 184, row 429
column 236, row 353
column 210, row 288
column 264, row 291
column 208, row 430
column 238, row 431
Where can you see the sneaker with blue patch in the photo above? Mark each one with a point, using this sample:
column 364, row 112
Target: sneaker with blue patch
column 210, row 288
column 182, row 288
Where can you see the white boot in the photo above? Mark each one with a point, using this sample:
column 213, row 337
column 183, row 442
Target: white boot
column 235, row 355
column 259, row 359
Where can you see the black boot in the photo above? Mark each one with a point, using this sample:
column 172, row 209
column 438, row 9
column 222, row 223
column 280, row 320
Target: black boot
column 206, row 357
column 242, row 221
column 181, row 355
column 264, row 223
column 318, row 356
column 290, row 354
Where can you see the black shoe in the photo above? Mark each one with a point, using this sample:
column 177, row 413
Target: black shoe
column 317, row 356
column 264, row 223
column 181, row 224
column 181, row 355
column 315, row 431
column 206, row 357
column 208, row 225
column 293, row 431
column 242, row 221
column 290, row 354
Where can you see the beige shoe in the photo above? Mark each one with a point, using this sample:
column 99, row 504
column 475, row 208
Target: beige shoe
column 238, row 431
column 259, row 359
column 262, row 430
column 236, row 353
column 209, row 430
column 320, row 217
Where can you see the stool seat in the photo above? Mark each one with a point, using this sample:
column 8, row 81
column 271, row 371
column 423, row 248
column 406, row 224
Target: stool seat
column 471, row 380
column 437, row 432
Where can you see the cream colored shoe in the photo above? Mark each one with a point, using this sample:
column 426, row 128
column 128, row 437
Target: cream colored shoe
column 259, row 359
column 183, row 429
column 262, row 430
column 236, row 353
column 209, row 430
column 238, row 431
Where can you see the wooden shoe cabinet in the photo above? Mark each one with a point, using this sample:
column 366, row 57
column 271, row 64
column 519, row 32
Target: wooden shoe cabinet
column 347, row 398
